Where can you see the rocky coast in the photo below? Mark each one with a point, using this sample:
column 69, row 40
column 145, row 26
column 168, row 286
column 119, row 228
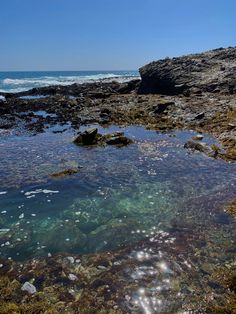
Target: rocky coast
column 195, row 92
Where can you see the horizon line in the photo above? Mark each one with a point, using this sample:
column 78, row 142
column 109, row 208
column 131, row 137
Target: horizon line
column 70, row 70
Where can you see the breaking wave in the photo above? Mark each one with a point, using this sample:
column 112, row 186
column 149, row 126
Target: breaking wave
column 9, row 84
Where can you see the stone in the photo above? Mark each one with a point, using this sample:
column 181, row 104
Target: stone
column 196, row 146
column 199, row 116
column 198, row 137
column 88, row 137
column 27, row 286
column 119, row 139
column 72, row 277
column 161, row 107
column 67, row 172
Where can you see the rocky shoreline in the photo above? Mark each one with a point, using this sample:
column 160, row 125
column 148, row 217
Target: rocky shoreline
column 196, row 92
column 197, row 107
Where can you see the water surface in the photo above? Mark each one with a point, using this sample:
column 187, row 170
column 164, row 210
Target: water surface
column 119, row 195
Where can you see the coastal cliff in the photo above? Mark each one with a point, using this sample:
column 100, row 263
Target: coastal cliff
column 212, row 71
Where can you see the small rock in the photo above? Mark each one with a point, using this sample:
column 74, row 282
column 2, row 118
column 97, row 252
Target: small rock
column 72, row 277
column 200, row 116
column 161, row 107
column 27, row 286
column 88, row 137
column 67, row 172
column 231, row 126
column 101, row 267
column 196, row 146
column 118, row 140
column 71, row 259
column 198, row 137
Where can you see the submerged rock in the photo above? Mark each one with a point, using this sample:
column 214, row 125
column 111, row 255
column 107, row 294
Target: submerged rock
column 231, row 208
column 67, row 172
column 212, row 151
column 118, row 139
column 63, row 237
column 192, row 145
column 113, row 234
column 27, row 286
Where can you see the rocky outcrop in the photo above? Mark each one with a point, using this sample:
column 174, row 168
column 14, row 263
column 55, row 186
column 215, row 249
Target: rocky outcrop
column 92, row 137
column 212, row 71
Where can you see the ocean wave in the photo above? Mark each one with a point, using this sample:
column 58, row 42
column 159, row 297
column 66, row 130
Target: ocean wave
column 24, row 84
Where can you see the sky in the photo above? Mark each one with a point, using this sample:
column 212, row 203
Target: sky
column 37, row 35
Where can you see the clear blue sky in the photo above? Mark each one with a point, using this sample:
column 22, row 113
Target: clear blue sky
column 109, row 34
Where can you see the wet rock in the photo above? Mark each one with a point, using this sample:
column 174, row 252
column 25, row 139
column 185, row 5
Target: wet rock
column 27, row 286
column 88, row 137
column 198, row 137
column 231, row 208
column 91, row 137
column 67, row 172
column 118, row 139
column 196, row 146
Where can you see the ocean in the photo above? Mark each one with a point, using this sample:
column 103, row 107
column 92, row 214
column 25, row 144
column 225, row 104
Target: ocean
column 21, row 81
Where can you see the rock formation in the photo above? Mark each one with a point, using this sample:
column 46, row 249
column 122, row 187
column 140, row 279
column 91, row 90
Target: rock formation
column 212, row 71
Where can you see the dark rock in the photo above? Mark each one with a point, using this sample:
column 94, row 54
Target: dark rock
column 161, row 107
column 88, row 137
column 199, row 116
column 195, row 73
column 118, row 139
column 91, row 137
column 196, row 146
column 67, row 172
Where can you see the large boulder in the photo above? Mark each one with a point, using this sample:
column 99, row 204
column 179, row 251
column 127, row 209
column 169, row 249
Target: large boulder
column 212, row 71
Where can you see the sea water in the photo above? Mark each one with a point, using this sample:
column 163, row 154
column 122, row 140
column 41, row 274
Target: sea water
column 118, row 197
column 21, row 81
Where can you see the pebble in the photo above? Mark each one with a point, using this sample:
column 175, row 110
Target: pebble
column 198, row 137
column 27, row 286
column 72, row 277
column 101, row 267
column 71, row 259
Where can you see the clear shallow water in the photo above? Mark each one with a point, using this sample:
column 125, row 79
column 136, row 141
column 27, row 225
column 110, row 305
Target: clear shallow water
column 22, row 81
column 118, row 197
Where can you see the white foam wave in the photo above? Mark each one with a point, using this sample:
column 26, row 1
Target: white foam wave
column 23, row 84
